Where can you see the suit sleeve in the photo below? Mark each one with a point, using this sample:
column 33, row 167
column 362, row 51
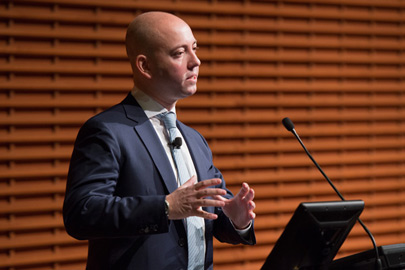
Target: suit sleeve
column 224, row 231
column 92, row 207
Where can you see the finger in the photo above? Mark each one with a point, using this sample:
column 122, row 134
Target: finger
column 251, row 206
column 208, row 183
column 210, row 202
column 243, row 191
column 219, row 198
column 205, row 214
column 250, row 195
column 210, row 192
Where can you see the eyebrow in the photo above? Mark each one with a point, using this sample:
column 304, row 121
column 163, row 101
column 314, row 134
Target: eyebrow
column 183, row 45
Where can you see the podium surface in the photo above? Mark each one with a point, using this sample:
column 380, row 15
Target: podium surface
column 392, row 258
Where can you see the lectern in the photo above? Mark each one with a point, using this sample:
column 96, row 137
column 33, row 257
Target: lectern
column 314, row 235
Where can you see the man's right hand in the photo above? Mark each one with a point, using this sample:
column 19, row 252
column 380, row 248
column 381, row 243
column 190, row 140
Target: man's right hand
column 188, row 199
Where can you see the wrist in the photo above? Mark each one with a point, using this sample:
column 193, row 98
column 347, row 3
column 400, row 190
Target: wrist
column 241, row 228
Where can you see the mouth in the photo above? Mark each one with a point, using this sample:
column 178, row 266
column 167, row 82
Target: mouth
column 193, row 77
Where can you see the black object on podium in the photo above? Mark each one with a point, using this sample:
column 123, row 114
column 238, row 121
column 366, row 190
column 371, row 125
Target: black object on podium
column 314, row 235
column 392, row 258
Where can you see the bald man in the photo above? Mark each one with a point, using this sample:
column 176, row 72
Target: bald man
column 124, row 192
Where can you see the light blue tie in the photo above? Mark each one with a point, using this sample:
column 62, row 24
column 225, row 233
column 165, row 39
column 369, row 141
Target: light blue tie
column 195, row 232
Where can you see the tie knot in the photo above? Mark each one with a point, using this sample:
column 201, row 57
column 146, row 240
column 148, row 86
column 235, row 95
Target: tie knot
column 169, row 118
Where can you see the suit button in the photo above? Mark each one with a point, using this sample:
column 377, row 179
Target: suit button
column 182, row 242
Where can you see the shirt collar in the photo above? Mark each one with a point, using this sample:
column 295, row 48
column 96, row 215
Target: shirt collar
column 150, row 106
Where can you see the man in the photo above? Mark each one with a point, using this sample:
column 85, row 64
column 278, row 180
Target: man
column 122, row 194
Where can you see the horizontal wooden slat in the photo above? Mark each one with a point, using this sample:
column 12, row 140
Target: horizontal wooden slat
column 223, row 118
column 266, row 146
column 267, row 174
column 52, row 171
column 218, row 54
column 117, row 69
column 227, row 8
column 267, row 160
column 229, row 71
column 38, row 223
column 265, row 133
column 218, row 23
column 65, row 136
column 319, row 188
column 115, row 53
column 63, row 102
column 38, row 154
column 46, row 119
column 34, row 189
column 223, row 39
column 225, row 86
column 220, row 148
column 31, row 206
column 255, row 101
column 274, row 175
column 300, row 160
column 37, row 241
column 79, row 253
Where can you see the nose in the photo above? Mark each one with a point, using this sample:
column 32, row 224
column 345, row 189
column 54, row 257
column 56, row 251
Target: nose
column 194, row 61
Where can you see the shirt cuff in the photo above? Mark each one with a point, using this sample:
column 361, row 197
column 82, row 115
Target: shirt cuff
column 244, row 232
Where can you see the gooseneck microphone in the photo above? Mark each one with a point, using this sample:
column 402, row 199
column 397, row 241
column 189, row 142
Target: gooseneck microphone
column 289, row 125
column 177, row 142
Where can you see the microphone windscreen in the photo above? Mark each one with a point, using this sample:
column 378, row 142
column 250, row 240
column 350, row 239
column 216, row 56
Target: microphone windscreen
column 177, row 142
column 288, row 124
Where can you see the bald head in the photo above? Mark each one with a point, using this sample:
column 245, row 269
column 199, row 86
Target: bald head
column 162, row 50
column 147, row 31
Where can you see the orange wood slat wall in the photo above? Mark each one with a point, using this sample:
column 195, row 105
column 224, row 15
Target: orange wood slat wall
column 335, row 67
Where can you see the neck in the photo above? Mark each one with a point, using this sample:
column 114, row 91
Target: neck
column 167, row 105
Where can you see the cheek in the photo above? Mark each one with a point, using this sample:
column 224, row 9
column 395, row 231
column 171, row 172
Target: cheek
column 172, row 71
column 176, row 73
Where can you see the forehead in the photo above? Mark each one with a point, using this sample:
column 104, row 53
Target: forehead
column 172, row 36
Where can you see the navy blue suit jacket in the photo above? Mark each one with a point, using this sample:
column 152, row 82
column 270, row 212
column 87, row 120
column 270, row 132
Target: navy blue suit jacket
column 118, row 177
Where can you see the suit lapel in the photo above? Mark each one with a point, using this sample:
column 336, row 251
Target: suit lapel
column 148, row 136
column 193, row 147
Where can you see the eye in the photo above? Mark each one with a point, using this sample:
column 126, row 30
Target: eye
column 178, row 53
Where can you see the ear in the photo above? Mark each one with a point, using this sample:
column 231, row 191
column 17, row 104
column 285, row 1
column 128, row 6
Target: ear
column 142, row 65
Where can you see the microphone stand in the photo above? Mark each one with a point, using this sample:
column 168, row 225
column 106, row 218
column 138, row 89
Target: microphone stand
column 290, row 127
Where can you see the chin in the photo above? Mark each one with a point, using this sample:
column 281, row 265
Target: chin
column 190, row 91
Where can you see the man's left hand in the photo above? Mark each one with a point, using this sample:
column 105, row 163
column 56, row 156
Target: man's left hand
column 240, row 208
